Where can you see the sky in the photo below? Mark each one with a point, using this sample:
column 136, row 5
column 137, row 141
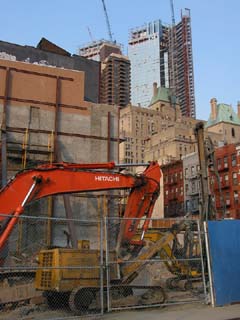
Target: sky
column 215, row 30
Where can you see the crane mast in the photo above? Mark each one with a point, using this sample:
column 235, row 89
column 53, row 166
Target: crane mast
column 172, row 12
column 107, row 20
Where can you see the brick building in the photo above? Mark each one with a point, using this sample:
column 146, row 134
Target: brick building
column 224, row 185
column 173, row 188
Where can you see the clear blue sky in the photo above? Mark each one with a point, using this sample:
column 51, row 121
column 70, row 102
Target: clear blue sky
column 215, row 34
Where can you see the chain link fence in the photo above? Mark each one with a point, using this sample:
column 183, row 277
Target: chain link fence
column 45, row 276
column 163, row 266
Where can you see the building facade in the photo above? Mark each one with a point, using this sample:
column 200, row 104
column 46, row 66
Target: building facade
column 115, row 80
column 147, row 51
column 115, row 88
column 225, row 186
column 173, row 188
column 224, row 121
column 163, row 54
column 45, row 118
column 159, row 132
column 191, row 172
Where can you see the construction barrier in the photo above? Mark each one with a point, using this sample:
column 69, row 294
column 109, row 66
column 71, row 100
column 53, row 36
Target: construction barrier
column 168, row 268
column 49, row 274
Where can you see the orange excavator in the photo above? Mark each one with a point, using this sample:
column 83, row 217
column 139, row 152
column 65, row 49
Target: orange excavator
column 61, row 178
column 65, row 272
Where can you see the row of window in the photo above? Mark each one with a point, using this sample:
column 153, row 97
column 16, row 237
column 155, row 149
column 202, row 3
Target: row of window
column 175, row 177
column 177, row 191
column 192, row 171
column 224, row 161
column 225, row 178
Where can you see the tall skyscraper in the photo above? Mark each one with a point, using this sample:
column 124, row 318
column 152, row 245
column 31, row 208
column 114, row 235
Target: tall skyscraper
column 148, row 55
column 163, row 54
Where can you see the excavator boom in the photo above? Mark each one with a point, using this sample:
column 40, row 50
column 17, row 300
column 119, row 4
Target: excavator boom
column 62, row 178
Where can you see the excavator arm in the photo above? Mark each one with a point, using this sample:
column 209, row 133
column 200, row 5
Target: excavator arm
column 62, row 178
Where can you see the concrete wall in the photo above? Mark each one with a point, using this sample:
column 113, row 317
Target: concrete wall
column 87, row 133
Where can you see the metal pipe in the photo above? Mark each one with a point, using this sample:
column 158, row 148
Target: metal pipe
column 202, row 262
column 209, row 264
column 109, row 136
column 4, row 129
column 131, row 165
column 78, row 135
column 29, row 193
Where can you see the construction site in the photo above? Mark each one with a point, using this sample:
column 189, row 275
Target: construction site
column 109, row 205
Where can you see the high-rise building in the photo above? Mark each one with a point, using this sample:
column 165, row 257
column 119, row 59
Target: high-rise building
column 115, row 80
column 163, row 54
column 182, row 80
column 115, row 71
column 147, row 51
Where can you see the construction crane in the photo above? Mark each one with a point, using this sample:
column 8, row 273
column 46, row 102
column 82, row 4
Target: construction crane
column 172, row 13
column 107, row 20
column 90, row 34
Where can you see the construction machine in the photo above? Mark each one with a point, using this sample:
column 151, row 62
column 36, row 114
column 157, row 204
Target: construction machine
column 61, row 178
column 65, row 272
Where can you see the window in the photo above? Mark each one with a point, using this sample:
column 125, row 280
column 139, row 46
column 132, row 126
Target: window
column 234, row 160
column 186, row 172
column 219, row 162
column 175, row 177
column 186, row 187
column 212, row 180
column 225, row 160
column 233, row 133
column 181, row 191
column 192, row 170
column 193, row 186
column 235, row 179
column 226, row 177
column 235, row 196
column 227, row 198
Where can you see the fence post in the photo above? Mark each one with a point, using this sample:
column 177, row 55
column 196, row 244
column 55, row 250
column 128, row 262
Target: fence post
column 107, row 263
column 209, row 263
column 202, row 260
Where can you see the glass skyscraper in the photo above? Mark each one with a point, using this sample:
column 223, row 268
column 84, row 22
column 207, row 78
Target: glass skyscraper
column 149, row 61
column 163, row 54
